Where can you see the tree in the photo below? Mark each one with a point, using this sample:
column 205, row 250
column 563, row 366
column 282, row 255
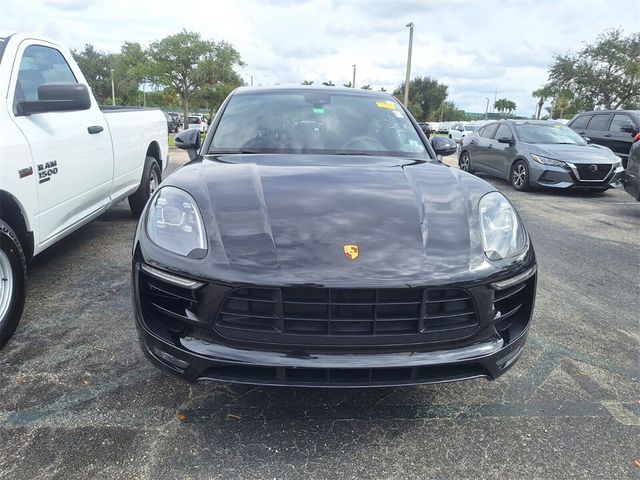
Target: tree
column 504, row 105
column 348, row 84
column 450, row 113
column 603, row 74
column 96, row 68
column 366, row 87
column 178, row 63
column 329, row 84
column 307, row 82
column 382, row 89
column 425, row 97
column 131, row 69
column 218, row 76
column 543, row 93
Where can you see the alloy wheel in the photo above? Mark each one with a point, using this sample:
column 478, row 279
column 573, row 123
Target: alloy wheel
column 6, row 284
column 519, row 176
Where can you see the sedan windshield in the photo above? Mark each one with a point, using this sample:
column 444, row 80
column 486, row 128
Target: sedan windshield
column 471, row 128
column 548, row 133
column 319, row 122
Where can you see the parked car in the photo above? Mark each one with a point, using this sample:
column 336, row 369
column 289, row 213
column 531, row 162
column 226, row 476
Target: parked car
column 172, row 124
column 458, row 131
column 426, row 128
column 333, row 250
column 539, row 153
column 65, row 160
column 614, row 129
column 198, row 123
column 632, row 173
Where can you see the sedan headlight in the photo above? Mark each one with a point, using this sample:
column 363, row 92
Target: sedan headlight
column 502, row 233
column 175, row 224
column 618, row 163
column 548, row 161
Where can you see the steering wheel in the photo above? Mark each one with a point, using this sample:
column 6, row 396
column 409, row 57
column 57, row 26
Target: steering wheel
column 363, row 141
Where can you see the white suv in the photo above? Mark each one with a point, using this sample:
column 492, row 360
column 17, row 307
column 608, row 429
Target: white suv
column 458, row 131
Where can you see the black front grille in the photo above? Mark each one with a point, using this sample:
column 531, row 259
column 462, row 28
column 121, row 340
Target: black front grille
column 588, row 172
column 344, row 376
column 291, row 314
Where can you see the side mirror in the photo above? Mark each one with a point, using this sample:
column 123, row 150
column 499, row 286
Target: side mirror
column 507, row 140
column 443, row 146
column 586, row 139
column 188, row 140
column 56, row 97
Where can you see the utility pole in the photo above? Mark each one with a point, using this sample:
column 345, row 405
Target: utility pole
column 406, row 82
column 113, row 90
column 144, row 95
column 486, row 110
column 252, row 80
column 353, row 83
column 495, row 98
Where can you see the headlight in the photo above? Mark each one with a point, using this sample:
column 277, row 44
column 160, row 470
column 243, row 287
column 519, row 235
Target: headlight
column 618, row 163
column 502, row 233
column 175, row 224
column 548, row 161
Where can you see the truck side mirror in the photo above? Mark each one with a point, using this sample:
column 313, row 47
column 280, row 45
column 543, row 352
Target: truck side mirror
column 56, row 97
column 189, row 140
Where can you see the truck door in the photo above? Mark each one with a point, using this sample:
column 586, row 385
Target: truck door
column 71, row 151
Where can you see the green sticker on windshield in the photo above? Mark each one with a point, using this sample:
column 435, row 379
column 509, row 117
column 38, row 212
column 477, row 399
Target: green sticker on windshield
column 318, row 110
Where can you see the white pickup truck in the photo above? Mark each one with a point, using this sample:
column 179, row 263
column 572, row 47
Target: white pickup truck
column 64, row 160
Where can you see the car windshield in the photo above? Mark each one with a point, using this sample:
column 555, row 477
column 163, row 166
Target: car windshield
column 548, row 133
column 320, row 122
column 471, row 128
column 194, row 120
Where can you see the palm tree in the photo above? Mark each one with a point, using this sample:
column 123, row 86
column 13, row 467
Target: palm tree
column 307, row 82
column 382, row 89
column 329, row 84
column 543, row 93
column 348, row 84
column 366, row 87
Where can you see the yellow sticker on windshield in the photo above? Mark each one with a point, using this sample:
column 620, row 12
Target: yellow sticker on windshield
column 386, row 104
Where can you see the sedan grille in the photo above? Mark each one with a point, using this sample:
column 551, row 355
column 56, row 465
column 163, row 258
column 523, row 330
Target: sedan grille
column 593, row 172
column 290, row 315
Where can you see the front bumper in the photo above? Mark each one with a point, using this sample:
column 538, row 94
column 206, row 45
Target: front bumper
column 549, row 176
column 197, row 353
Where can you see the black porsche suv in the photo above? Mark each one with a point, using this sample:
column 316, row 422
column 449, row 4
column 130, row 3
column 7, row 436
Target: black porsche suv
column 316, row 240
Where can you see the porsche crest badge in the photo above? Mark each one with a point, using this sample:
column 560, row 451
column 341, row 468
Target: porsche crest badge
column 351, row 251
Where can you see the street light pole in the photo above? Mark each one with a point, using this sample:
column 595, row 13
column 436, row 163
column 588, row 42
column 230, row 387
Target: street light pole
column 113, row 90
column 353, row 83
column 406, row 82
column 486, row 110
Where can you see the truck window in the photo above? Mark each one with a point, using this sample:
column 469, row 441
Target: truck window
column 41, row 65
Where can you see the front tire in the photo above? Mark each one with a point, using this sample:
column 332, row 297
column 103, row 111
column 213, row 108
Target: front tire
column 465, row 162
column 13, row 282
column 151, row 178
column 519, row 176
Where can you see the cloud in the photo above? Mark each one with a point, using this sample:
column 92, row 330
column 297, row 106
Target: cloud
column 474, row 47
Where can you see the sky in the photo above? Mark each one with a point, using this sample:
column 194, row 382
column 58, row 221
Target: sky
column 476, row 47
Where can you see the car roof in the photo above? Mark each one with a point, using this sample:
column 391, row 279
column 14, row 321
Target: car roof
column 312, row 89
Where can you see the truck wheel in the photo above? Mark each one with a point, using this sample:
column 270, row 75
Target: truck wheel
column 151, row 178
column 13, row 278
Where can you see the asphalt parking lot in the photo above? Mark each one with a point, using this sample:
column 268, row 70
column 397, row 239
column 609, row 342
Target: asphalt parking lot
column 79, row 400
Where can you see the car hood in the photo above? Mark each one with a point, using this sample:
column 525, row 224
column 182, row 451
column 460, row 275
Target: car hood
column 270, row 223
column 574, row 153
